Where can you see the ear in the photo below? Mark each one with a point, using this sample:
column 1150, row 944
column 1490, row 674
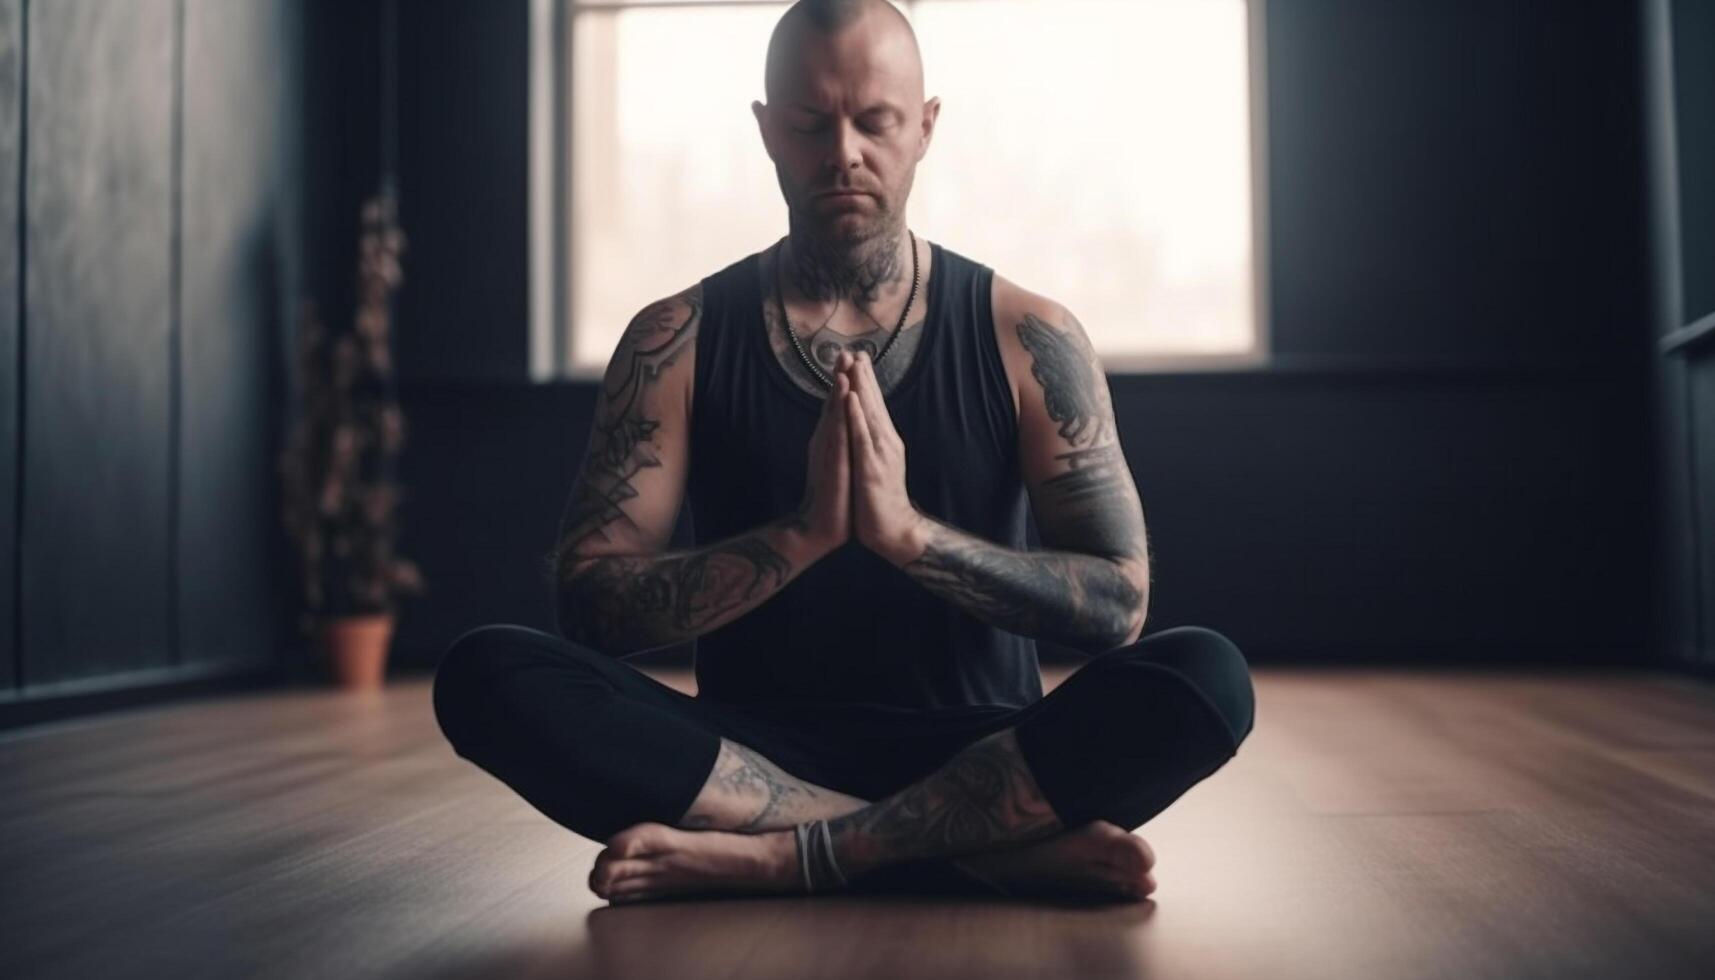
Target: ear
column 931, row 112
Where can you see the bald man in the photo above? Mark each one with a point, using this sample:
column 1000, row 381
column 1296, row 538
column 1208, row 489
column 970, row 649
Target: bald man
column 859, row 417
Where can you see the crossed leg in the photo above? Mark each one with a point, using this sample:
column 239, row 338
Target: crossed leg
column 748, row 793
column 610, row 754
column 982, row 810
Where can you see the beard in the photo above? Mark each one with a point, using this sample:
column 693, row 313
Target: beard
column 834, row 257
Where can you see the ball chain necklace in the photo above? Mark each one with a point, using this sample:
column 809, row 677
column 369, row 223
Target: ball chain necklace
column 780, row 298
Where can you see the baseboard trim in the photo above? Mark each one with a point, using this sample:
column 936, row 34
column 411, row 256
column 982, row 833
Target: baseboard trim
column 40, row 703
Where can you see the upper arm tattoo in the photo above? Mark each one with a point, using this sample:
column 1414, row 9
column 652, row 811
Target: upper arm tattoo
column 622, row 438
column 1067, row 378
column 1092, row 506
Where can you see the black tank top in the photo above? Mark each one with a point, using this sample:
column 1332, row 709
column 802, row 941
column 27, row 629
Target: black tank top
column 852, row 627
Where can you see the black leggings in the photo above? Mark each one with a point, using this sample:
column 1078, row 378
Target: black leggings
column 598, row 745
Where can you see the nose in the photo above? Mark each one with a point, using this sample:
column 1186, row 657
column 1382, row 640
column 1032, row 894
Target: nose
column 847, row 153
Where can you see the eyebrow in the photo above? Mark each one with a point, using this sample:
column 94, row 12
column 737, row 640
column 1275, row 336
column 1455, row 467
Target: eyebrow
column 878, row 107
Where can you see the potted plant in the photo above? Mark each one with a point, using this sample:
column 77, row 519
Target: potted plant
column 338, row 468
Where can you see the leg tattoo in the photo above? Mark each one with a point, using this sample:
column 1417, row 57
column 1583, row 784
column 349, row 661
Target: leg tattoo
column 983, row 812
column 982, row 799
column 747, row 793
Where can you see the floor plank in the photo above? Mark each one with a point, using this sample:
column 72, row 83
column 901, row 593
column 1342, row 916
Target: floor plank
column 1377, row 824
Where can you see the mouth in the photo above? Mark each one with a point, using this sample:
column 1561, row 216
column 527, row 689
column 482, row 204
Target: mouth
column 838, row 195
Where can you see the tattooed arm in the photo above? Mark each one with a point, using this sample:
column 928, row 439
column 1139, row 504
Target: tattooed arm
column 1089, row 588
column 615, row 590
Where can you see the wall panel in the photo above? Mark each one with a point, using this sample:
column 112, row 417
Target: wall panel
column 236, row 220
column 1694, row 107
column 11, row 134
column 98, row 223
column 1701, row 371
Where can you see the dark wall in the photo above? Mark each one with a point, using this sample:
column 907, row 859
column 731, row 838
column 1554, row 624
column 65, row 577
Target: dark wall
column 1692, row 53
column 463, row 181
column 1457, row 254
column 154, row 193
column 486, row 469
column 1455, row 180
column 1450, row 456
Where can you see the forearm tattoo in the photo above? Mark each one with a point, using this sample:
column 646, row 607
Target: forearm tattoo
column 627, row 604
column 1080, row 601
column 983, row 798
column 1079, row 592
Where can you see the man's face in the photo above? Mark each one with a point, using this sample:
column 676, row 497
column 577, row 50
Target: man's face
column 848, row 116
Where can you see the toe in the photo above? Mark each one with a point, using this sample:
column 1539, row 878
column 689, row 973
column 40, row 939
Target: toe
column 605, row 876
column 637, row 888
column 640, row 839
column 1145, row 851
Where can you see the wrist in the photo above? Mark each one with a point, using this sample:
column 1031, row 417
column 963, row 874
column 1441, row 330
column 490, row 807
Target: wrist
column 802, row 546
column 912, row 542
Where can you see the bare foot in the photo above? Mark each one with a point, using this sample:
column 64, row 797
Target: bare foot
column 652, row 860
column 1098, row 860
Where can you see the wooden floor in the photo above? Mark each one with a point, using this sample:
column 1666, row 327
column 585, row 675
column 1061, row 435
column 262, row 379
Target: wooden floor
column 1377, row 824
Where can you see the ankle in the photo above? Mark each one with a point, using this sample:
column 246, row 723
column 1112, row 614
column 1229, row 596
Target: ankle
column 817, row 864
column 778, row 863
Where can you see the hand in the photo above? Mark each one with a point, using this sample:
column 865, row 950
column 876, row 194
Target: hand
column 824, row 514
column 883, row 516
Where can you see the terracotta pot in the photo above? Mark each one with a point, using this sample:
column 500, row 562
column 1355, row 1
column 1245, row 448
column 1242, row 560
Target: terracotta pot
column 356, row 648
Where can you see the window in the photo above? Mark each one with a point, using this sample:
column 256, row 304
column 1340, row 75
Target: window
column 1100, row 152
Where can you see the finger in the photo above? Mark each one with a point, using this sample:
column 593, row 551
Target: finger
column 841, row 362
column 828, row 407
column 840, row 441
column 841, row 449
column 869, row 389
column 853, row 370
column 842, row 390
column 861, row 446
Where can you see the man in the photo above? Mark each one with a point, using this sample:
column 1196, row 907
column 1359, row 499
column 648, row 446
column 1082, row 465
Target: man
column 870, row 712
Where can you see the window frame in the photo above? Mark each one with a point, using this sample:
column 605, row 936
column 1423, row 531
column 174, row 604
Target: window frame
column 550, row 115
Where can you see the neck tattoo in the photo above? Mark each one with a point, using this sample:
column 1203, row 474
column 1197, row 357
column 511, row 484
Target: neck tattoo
column 792, row 335
column 821, row 272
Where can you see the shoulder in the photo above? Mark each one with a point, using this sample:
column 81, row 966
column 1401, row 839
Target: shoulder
column 668, row 321
column 1015, row 305
column 657, row 345
column 661, row 332
column 1035, row 333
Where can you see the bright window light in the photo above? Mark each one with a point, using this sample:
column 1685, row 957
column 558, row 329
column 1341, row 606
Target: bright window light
column 1098, row 152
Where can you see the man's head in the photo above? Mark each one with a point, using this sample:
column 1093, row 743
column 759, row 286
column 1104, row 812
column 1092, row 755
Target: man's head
column 845, row 110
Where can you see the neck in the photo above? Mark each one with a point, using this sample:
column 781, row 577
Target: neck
column 862, row 273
